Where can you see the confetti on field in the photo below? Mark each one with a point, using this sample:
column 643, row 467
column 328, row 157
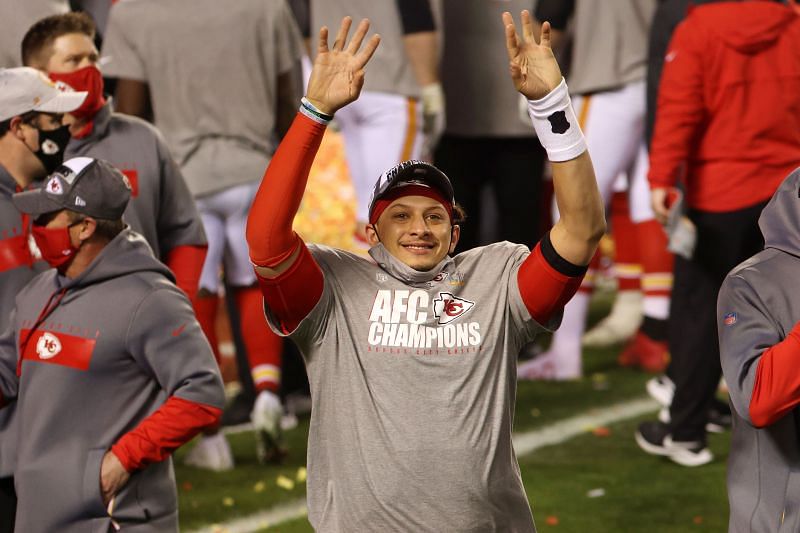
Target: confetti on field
column 259, row 487
column 228, row 501
column 697, row 520
column 596, row 493
column 186, row 486
column 284, row 483
column 535, row 412
column 601, row 432
column 551, row 520
column 302, row 474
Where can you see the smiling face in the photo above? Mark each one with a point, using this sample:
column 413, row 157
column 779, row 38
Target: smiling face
column 416, row 230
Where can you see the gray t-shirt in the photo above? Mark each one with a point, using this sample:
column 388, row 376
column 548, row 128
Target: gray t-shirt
column 610, row 44
column 413, row 386
column 16, row 16
column 212, row 68
column 389, row 70
column 481, row 100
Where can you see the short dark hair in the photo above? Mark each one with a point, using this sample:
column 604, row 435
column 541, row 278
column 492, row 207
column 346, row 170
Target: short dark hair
column 105, row 228
column 37, row 43
column 459, row 214
column 26, row 117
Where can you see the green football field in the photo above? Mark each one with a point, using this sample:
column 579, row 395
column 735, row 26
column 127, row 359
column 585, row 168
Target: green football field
column 597, row 481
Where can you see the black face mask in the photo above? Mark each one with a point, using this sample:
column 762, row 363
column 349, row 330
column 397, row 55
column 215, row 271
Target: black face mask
column 52, row 144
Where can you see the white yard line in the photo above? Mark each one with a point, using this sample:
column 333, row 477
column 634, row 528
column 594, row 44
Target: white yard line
column 524, row 444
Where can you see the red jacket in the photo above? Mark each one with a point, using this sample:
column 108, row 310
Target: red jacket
column 729, row 105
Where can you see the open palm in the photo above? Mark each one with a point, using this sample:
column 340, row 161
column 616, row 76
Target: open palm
column 338, row 73
column 534, row 69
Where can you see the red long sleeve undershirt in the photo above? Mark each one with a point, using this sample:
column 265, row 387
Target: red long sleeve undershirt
column 776, row 390
column 292, row 295
column 186, row 263
column 171, row 426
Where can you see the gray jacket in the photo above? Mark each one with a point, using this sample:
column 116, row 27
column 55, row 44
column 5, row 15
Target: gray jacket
column 119, row 342
column 758, row 306
column 16, row 269
column 161, row 208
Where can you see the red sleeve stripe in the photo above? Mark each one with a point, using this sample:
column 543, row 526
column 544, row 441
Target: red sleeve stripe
column 292, row 295
column 544, row 289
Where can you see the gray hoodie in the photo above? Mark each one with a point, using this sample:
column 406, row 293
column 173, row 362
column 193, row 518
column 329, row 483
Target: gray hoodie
column 161, row 208
column 16, row 269
column 119, row 339
column 758, row 306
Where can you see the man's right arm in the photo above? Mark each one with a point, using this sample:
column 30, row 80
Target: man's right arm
column 759, row 361
column 290, row 279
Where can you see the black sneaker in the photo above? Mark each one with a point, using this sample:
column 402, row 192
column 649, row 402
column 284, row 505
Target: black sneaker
column 651, row 437
column 719, row 417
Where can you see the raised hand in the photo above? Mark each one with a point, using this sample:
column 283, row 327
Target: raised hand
column 534, row 69
column 338, row 73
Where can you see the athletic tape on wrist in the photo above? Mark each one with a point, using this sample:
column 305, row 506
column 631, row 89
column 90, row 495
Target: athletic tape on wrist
column 556, row 125
column 310, row 110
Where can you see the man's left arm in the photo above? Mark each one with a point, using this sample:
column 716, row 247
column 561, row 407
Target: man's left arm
column 180, row 230
column 421, row 43
column 166, row 341
column 552, row 273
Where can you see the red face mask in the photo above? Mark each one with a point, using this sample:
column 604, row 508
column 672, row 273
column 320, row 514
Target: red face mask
column 54, row 244
column 85, row 79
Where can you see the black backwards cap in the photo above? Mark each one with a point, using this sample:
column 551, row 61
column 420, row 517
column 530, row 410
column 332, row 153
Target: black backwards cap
column 412, row 172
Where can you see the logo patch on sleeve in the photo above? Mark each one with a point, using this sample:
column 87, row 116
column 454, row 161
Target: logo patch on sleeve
column 729, row 319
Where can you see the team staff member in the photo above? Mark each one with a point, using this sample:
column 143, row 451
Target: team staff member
column 222, row 108
column 728, row 118
column 758, row 319
column 161, row 208
column 30, row 115
column 412, row 357
column 100, row 454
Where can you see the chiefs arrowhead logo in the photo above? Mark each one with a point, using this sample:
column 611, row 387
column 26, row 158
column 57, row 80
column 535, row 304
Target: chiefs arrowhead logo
column 54, row 186
column 448, row 307
column 48, row 346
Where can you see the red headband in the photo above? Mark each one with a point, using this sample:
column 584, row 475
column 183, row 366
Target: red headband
column 409, row 190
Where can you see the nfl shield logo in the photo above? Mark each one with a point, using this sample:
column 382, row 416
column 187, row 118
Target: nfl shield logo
column 729, row 319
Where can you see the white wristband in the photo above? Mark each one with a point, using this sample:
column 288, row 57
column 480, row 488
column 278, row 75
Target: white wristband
column 556, row 125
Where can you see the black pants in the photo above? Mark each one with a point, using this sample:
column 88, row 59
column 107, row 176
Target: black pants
column 8, row 504
column 513, row 166
column 723, row 241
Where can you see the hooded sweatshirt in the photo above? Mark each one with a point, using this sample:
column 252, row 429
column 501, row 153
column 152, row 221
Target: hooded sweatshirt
column 758, row 315
column 161, row 208
column 108, row 348
column 728, row 112
column 16, row 269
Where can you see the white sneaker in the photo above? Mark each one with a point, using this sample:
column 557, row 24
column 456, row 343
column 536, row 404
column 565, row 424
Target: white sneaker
column 212, row 452
column 267, row 412
column 688, row 453
column 661, row 389
column 266, row 417
column 621, row 323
